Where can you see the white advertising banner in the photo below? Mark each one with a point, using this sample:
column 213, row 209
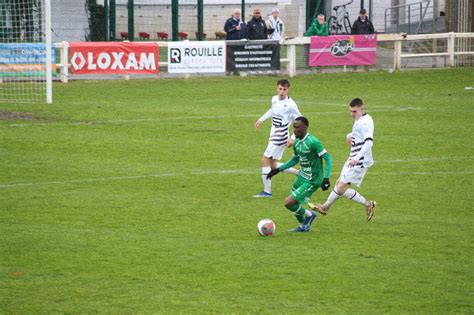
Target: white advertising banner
column 197, row 57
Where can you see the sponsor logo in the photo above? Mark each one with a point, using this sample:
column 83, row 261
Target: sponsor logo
column 342, row 47
column 175, row 55
column 113, row 61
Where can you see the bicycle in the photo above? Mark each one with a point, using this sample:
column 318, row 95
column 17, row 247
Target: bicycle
column 340, row 23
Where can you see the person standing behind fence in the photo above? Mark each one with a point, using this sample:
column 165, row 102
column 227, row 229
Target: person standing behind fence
column 256, row 27
column 276, row 24
column 318, row 28
column 233, row 27
column 362, row 25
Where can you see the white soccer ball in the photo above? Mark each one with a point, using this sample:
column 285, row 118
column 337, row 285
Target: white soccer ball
column 266, row 227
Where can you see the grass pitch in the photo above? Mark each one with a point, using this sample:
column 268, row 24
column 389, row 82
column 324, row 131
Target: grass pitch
column 136, row 197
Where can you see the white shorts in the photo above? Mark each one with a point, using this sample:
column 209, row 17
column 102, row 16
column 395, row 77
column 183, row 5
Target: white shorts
column 352, row 175
column 274, row 151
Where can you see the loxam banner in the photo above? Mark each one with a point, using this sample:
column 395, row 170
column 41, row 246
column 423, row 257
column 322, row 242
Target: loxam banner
column 114, row 58
column 262, row 55
column 196, row 57
column 343, row 50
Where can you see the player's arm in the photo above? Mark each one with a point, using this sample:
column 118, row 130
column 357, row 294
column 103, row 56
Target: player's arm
column 328, row 164
column 366, row 147
column 296, row 113
column 368, row 143
column 290, row 163
column 349, row 139
column 322, row 153
column 291, row 141
column 264, row 117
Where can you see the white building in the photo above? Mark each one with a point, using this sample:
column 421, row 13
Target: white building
column 70, row 17
column 69, row 20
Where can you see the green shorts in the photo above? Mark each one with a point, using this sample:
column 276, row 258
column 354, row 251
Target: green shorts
column 302, row 190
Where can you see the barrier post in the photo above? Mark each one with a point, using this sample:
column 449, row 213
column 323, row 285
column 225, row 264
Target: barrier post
column 451, row 48
column 397, row 51
column 291, row 56
column 64, row 54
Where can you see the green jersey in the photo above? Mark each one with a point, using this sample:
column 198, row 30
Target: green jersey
column 309, row 152
column 317, row 29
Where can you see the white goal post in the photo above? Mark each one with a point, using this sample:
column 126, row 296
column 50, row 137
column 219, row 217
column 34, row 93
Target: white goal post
column 26, row 52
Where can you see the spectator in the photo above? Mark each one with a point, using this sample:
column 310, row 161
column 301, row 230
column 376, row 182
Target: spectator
column 256, row 27
column 233, row 27
column 276, row 24
column 243, row 31
column 318, row 28
column 363, row 25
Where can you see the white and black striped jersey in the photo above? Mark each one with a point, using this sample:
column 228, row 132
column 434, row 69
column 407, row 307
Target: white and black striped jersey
column 362, row 140
column 282, row 112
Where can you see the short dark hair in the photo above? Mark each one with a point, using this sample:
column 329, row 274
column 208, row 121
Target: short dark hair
column 357, row 102
column 363, row 11
column 283, row 83
column 304, row 120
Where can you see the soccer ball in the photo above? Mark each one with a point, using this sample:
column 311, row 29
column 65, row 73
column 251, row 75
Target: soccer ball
column 266, row 227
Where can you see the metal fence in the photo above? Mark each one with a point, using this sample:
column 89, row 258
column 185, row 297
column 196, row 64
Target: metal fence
column 394, row 52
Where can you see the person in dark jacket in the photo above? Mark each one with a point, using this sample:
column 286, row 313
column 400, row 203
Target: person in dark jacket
column 234, row 27
column 362, row 25
column 256, row 27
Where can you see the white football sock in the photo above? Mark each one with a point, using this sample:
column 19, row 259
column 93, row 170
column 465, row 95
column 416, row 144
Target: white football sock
column 307, row 213
column 333, row 196
column 290, row 170
column 353, row 195
column 267, row 183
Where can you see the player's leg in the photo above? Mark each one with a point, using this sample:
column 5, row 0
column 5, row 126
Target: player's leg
column 343, row 182
column 272, row 154
column 335, row 194
column 342, row 188
column 267, row 163
column 356, row 177
column 369, row 205
column 300, row 193
column 290, row 170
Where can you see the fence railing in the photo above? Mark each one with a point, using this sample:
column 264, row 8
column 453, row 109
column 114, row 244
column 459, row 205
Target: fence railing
column 404, row 15
column 290, row 60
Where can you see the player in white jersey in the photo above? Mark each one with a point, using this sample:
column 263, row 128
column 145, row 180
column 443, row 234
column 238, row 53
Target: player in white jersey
column 282, row 112
column 361, row 140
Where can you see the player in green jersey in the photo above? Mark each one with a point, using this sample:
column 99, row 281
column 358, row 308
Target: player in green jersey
column 309, row 152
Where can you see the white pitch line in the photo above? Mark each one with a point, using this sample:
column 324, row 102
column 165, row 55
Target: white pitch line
column 464, row 172
column 239, row 171
column 310, row 101
column 125, row 121
column 426, row 159
column 102, row 179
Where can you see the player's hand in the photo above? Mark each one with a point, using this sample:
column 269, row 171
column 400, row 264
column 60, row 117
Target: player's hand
column 349, row 139
column 273, row 172
column 352, row 163
column 290, row 143
column 326, row 184
column 257, row 124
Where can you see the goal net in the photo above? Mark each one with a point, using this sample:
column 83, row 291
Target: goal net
column 26, row 54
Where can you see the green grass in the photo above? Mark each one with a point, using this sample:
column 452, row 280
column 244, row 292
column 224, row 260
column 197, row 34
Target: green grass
column 136, row 197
